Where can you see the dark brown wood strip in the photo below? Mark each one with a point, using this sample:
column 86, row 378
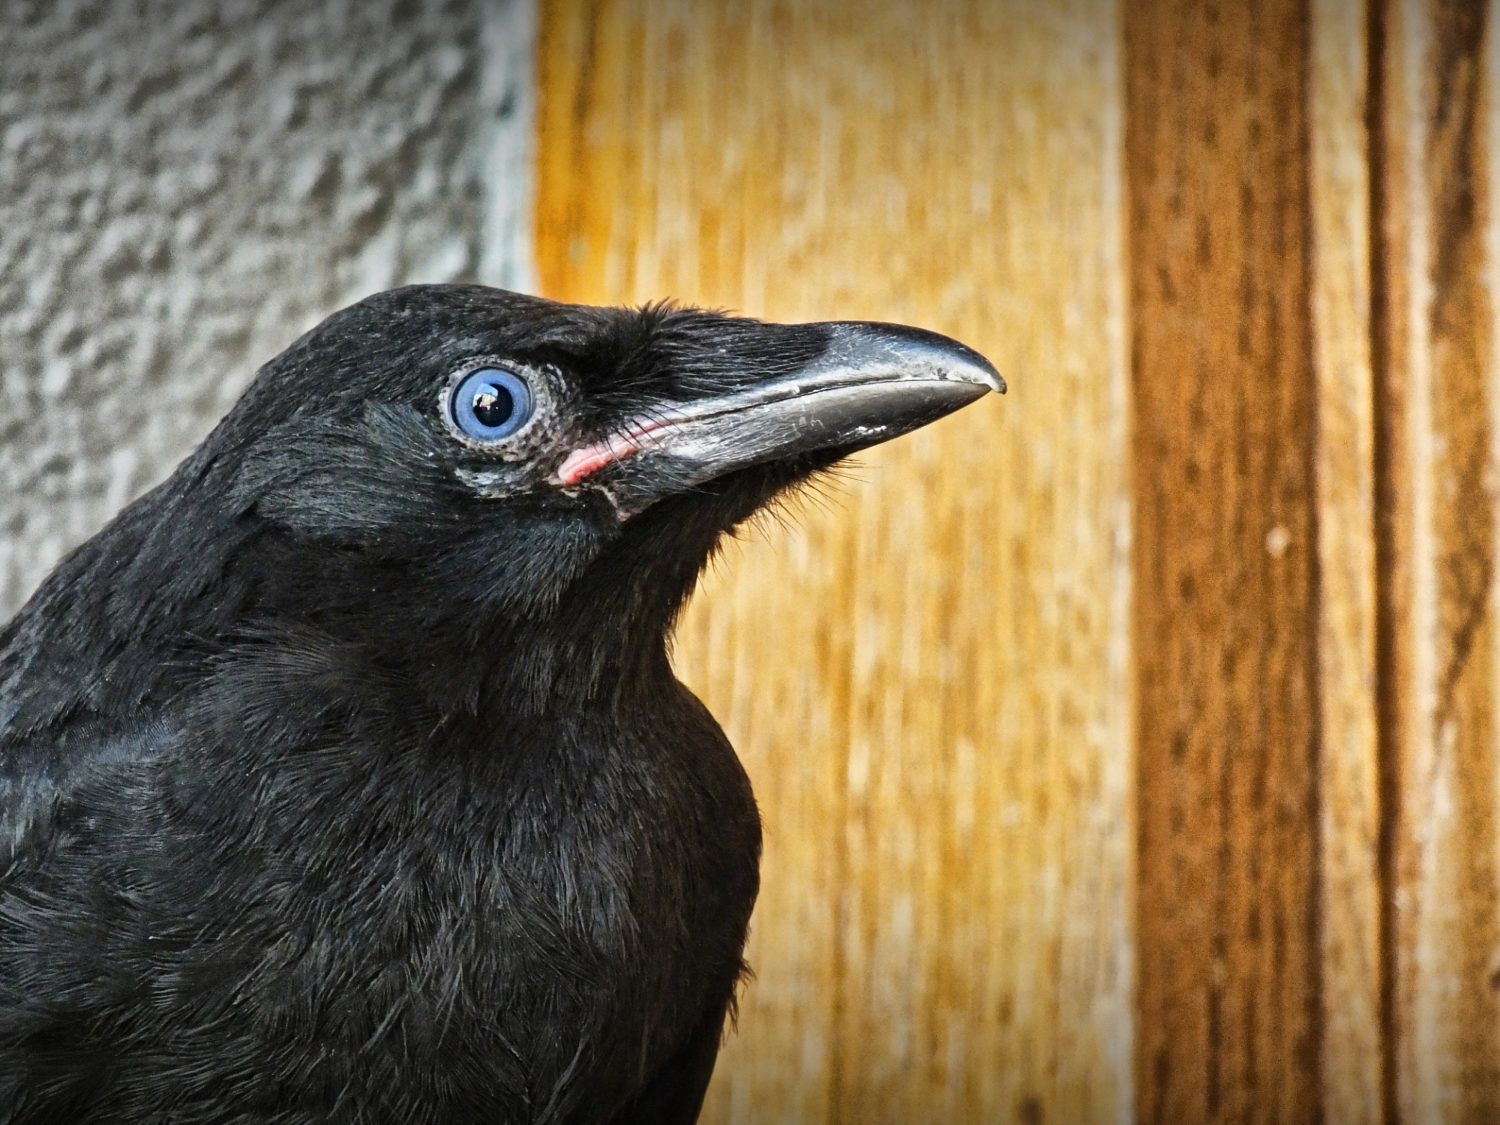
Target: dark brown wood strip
column 1217, row 175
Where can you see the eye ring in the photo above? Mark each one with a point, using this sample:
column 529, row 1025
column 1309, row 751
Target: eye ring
column 490, row 404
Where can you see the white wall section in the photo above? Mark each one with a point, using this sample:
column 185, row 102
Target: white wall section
column 185, row 187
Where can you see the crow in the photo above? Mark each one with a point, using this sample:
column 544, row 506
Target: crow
column 344, row 777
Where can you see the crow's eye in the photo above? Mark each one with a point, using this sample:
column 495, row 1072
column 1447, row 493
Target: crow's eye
column 490, row 404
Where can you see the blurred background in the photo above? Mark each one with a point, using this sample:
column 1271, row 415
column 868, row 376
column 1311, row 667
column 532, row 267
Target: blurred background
column 1128, row 747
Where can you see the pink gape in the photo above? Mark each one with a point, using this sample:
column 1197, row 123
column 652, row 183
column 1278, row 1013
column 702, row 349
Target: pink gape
column 585, row 462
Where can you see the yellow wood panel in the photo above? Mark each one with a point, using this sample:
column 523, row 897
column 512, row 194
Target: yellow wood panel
column 1438, row 260
column 1354, row 1047
column 927, row 673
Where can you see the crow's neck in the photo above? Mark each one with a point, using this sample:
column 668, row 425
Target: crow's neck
column 602, row 645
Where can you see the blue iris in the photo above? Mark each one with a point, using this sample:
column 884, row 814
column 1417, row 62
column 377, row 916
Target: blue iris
column 490, row 404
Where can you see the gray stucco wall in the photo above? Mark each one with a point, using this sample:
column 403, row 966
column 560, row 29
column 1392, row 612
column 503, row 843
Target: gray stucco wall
column 185, row 187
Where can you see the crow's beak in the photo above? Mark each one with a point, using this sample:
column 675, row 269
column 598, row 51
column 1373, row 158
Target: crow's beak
column 872, row 382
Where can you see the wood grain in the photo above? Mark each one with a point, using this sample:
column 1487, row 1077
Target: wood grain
column 1437, row 263
column 1128, row 748
column 927, row 673
column 1351, row 1009
column 1226, row 630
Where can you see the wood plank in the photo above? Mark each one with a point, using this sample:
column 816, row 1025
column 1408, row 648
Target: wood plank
column 1352, row 945
column 1437, row 261
column 928, row 674
column 1217, row 143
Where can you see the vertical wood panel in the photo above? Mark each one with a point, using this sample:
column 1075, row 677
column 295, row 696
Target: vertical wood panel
column 1351, row 1005
column 1437, row 337
column 1217, row 143
column 928, row 675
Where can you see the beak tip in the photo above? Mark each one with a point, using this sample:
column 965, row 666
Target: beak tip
column 957, row 361
column 993, row 379
column 980, row 369
column 974, row 368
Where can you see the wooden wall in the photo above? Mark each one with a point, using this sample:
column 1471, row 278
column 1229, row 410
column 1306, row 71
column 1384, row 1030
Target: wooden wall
column 1128, row 746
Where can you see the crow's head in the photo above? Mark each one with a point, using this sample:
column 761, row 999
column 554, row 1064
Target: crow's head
column 531, row 438
column 474, row 455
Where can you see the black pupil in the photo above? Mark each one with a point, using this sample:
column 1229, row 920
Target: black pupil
column 493, row 405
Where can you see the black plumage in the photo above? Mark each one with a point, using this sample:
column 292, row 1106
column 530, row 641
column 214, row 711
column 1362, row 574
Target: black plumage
column 344, row 776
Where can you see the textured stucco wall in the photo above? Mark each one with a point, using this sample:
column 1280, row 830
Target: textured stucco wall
column 185, row 187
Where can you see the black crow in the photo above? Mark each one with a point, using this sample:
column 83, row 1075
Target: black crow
column 344, row 776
